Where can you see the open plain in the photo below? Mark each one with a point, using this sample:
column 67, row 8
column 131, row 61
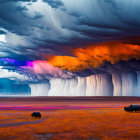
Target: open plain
column 70, row 118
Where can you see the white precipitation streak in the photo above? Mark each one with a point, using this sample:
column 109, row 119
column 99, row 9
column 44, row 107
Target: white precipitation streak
column 123, row 84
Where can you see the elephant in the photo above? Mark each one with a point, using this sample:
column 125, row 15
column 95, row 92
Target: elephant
column 36, row 114
column 133, row 107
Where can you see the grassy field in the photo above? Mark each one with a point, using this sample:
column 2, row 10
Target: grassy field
column 69, row 119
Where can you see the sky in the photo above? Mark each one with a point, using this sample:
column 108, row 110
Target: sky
column 44, row 39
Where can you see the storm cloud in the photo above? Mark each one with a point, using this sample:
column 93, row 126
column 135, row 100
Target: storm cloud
column 32, row 30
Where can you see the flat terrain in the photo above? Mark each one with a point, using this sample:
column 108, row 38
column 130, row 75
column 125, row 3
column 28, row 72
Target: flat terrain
column 68, row 118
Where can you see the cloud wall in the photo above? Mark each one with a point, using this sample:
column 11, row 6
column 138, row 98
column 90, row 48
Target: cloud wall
column 123, row 84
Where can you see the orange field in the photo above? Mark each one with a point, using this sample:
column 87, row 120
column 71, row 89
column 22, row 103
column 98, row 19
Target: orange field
column 89, row 118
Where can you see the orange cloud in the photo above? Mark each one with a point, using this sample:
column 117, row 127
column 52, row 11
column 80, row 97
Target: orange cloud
column 96, row 55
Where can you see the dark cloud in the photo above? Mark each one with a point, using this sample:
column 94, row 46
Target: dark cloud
column 18, row 1
column 54, row 3
column 34, row 29
column 2, row 32
column 83, row 22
